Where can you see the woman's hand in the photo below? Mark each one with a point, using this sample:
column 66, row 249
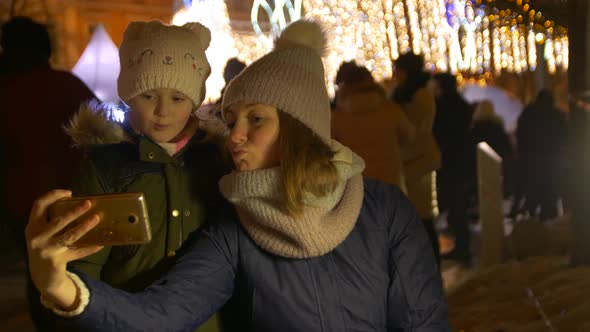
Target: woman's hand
column 50, row 249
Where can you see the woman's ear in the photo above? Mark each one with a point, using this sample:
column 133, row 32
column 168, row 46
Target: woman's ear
column 201, row 31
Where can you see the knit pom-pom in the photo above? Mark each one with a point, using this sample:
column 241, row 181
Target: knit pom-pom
column 303, row 33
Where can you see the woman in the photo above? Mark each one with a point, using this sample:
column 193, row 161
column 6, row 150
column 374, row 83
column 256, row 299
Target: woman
column 159, row 149
column 317, row 247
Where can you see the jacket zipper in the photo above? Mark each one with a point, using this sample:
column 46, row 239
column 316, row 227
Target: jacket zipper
column 315, row 292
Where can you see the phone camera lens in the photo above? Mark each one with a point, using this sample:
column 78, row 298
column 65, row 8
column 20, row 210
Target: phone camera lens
column 132, row 219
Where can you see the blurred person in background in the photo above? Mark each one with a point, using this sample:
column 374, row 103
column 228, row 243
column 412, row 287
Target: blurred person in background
column 451, row 130
column 541, row 138
column 422, row 157
column 487, row 126
column 366, row 121
column 35, row 101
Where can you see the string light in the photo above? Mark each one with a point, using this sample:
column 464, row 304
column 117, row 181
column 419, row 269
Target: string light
column 516, row 50
column 479, row 51
column 557, row 50
column 508, row 50
column 425, row 19
column 251, row 46
column 414, row 26
column 566, row 56
column 487, row 54
column 401, row 21
column 549, row 55
column 532, row 49
column 523, row 49
column 473, row 24
column 497, row 52
column 391, row 29
column 441, row 40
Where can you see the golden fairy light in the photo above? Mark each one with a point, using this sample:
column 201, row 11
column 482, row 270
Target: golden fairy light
column 549, row 55
column 497, row 52
column 516, row 50
column 565, row 55
column 453, row 35
column 522, row 49
column 532, row 49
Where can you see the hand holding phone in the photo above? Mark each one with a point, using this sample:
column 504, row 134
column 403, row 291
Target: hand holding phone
column 123, row 219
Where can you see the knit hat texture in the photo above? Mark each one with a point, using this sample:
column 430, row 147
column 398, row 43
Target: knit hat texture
column 154, row 55
column 290, row 78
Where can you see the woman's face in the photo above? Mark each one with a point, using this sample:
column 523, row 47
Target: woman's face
column 253, row 141
column 160, row 114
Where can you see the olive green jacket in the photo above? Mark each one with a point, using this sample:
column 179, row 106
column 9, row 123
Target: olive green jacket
column 180, row 192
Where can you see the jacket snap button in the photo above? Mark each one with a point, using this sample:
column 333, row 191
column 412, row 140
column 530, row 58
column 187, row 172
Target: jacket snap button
column 151, row 155
column 175, row 213
column 171, row 253
column 187, row 213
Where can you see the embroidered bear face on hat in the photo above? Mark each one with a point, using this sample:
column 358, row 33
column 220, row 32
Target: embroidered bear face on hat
column 154, row 55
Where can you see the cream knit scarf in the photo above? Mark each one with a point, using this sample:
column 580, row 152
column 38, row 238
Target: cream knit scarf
column 325, row 222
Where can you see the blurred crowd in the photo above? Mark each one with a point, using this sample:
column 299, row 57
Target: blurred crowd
column 422, row 122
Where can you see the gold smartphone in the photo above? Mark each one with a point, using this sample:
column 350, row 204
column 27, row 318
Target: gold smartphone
column 123, row 219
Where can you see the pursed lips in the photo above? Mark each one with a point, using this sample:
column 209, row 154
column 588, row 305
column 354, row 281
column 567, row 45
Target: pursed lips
column 238, row 152
column 159, row 126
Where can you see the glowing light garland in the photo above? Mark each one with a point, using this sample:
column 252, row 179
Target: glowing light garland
column 453, row 35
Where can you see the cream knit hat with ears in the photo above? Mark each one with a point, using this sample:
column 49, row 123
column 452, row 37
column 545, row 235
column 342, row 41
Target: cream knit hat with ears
column 290, row 78
column 154, row 55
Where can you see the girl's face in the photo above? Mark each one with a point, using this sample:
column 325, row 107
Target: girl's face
column 160, row 114
column 254, row 136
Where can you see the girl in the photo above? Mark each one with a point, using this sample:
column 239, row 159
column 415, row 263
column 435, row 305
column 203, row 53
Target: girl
column 317, row 247
column 158, row 150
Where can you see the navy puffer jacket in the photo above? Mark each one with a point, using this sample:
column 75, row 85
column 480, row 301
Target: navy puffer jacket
column 383, row 277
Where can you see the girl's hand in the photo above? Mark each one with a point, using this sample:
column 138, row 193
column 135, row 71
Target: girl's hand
column 50, row 249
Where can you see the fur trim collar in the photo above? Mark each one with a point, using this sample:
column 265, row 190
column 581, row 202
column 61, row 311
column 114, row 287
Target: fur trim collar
column 94, row 125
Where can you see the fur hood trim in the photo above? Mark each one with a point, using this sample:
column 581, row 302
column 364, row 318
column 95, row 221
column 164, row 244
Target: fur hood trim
column 94, row 124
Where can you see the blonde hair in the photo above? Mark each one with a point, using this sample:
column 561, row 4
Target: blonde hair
column 306, row 164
